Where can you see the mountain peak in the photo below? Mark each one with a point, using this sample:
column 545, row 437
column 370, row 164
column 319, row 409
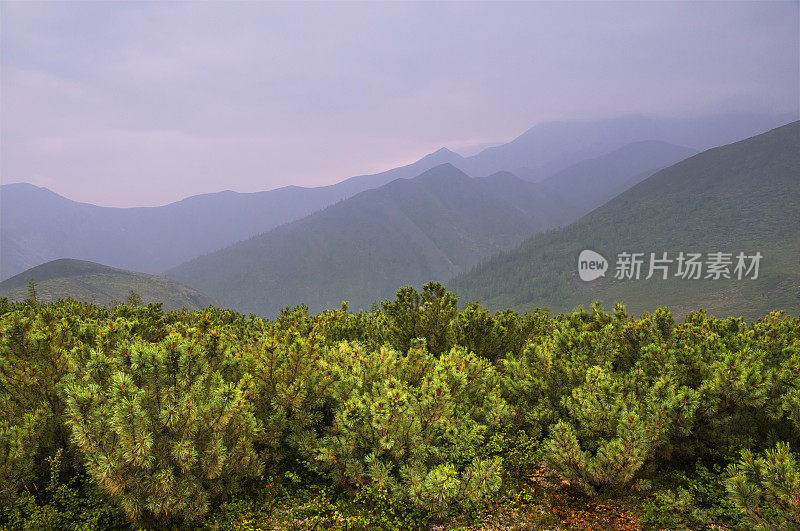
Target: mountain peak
column 22, row 185
column 442, row 155
column 738, row 197
column 25, row 188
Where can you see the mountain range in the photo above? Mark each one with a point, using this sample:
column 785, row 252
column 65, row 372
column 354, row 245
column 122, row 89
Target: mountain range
column 362, row 249
column 494, row 236
column 590, row 183
column 37, row 225
column 739, row 198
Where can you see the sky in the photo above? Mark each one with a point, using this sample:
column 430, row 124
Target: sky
column 145, row 103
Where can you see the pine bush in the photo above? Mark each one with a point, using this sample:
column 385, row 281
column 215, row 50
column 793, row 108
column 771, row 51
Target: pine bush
column 410, row 424
column 161, row 429
column 766, row 488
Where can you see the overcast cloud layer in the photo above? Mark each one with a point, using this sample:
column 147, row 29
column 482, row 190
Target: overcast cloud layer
column 127, row 104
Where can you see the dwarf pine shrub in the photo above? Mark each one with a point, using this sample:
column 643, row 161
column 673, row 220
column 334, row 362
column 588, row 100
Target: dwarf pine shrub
column 766, row 488
column 415, row 407
column 161, row 430
column 35, row 357
column 410, row 424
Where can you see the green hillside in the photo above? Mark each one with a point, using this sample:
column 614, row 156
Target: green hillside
column 101, row 285
column 743, row 197
column 362, row 249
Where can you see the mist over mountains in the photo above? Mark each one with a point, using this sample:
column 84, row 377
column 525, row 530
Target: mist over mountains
column 590, row 183
column 361, row 250
column 742, row 197
column 359, row 240
column 550, row 147
column 38, row 225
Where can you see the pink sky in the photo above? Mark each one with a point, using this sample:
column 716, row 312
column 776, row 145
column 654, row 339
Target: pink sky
column 129, row 104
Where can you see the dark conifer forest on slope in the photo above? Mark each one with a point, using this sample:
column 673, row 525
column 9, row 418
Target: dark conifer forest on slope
column 743, row 197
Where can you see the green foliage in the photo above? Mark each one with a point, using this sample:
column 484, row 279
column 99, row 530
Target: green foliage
column 426, row 315
column 291, row 391
column 134, row 299
column 616, row 393
column 767, row 488
column 71, row 504
column 697, row 499
column 32, row 293
column 161, row 428
column 410, row 424
column 493, row 337
column 34, row 358
column 349, row 419
column 19, row 445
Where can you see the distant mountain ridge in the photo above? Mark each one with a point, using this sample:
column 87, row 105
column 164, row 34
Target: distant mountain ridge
column 102, row 285
column 549, row 147
column 362, row 249
column 592, row 182
column 37, row 225
column 742, row 197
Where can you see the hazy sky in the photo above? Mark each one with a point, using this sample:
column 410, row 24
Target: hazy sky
column 143, row 103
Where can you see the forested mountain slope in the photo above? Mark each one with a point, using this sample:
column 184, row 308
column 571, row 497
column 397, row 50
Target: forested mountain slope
column 38, row 225
column 361, row 250
column 101, row 285
column 742, row 197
